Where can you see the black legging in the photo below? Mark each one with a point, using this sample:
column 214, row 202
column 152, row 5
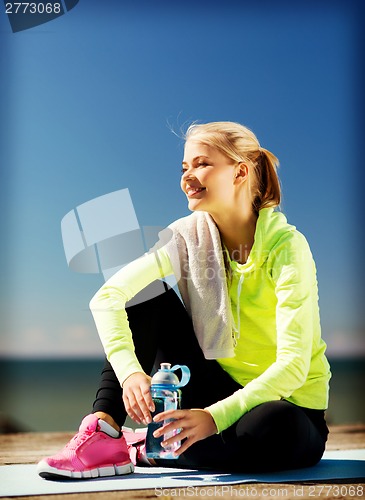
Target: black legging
column 272, row 436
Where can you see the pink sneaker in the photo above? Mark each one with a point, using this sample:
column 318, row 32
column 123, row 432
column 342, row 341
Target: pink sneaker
column 90, row 453
column 136, row 441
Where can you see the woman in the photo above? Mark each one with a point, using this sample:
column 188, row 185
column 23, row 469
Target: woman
column 249, row 329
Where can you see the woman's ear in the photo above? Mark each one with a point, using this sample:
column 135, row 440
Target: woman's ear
column 241, row 173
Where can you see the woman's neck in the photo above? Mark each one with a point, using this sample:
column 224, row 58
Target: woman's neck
column 237, row 233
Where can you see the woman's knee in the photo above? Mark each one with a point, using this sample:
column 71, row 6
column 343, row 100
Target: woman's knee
column 278, row 435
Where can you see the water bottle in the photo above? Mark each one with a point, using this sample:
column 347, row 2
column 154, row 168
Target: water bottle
column 166, row 395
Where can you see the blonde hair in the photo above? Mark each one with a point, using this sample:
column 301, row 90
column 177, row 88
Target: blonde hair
column 241, row 145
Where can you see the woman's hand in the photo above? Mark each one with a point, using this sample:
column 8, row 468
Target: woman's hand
column 137, row 397
column 195, row 425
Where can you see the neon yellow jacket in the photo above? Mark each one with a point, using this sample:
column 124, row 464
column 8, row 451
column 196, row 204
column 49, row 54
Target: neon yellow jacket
column 279, row 353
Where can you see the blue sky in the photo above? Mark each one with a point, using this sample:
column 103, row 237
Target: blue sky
column 88, row 102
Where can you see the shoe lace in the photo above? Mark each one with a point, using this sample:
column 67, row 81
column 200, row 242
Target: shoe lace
column 134, row 450
column 77, row 440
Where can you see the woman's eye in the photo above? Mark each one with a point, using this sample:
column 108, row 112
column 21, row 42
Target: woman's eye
column 201, row 164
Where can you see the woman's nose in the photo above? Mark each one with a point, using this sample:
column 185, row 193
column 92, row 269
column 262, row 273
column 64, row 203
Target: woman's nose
column 187, row 175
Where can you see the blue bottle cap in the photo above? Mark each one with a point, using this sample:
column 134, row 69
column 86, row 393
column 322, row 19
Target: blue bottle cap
column 166, row 376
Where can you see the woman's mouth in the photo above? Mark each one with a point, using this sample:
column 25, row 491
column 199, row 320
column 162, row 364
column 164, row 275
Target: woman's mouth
column 192, row 191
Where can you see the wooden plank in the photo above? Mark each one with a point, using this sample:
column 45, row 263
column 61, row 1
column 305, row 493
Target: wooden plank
column 29, row 448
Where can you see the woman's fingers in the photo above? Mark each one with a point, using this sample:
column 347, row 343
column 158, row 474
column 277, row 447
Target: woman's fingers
column 137, row 397
column 132, row 408
column 170, row 414
column 194, row 425
column 174, row 424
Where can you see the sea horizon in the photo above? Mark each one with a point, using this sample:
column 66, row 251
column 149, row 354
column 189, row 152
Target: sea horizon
column 53, row 394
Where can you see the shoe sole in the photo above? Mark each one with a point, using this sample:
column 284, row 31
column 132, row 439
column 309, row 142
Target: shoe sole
column 48, row 472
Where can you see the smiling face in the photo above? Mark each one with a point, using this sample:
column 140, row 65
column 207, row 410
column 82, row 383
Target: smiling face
column 209, row 178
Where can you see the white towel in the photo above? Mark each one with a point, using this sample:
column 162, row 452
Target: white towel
column 194, row 246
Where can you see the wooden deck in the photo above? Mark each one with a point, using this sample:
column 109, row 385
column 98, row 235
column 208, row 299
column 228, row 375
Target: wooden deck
column 29, row 448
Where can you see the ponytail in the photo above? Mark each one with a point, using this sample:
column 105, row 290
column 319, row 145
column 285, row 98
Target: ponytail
column 267, row 190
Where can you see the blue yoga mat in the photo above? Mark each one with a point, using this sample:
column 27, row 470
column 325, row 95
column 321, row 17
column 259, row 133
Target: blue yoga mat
column 17, row 480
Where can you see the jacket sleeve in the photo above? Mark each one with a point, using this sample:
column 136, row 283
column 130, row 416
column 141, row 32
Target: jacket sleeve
column 292, row 270
column 108, row 309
